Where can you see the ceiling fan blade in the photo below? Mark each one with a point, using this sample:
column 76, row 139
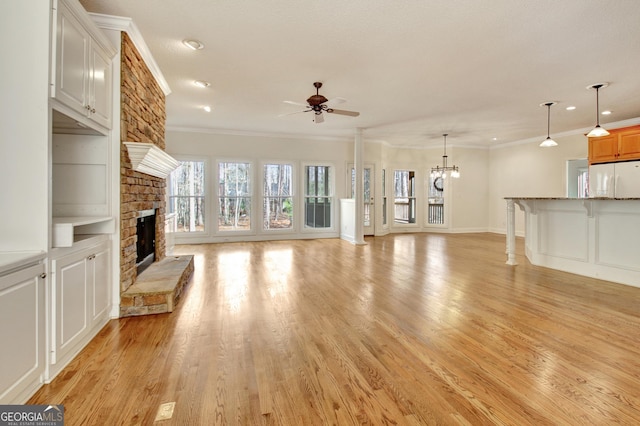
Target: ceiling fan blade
column 295, row 103
column 335, row 101
column 295, row 112
column 344, row 112
column 318, row 118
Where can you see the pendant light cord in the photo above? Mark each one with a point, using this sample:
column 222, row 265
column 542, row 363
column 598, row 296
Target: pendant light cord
column 598, row 106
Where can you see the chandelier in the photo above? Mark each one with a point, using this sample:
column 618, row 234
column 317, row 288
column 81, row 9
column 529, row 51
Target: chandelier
column 438, row 171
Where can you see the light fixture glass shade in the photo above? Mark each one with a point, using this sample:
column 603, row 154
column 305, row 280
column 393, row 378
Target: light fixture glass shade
column 597, row 132
column 455, row 174
column 548, row 142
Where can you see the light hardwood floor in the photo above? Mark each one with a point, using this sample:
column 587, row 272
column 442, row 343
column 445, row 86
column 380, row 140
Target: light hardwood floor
column 416, row 329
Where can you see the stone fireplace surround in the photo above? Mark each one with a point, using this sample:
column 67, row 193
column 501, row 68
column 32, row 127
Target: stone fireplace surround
column 142, row 119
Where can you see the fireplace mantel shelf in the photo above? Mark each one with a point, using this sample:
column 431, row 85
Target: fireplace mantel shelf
column 65, row 228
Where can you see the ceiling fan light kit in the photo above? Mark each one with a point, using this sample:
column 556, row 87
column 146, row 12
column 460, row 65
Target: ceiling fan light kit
column 320, row 104
column 597, row 131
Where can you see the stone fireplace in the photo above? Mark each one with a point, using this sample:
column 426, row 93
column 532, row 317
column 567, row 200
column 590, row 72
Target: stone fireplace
column 142, row 119
column 150, row 282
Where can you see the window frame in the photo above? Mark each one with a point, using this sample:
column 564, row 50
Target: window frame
column 252, row 195
column 415, row 197
column 295, row 211
column 332, row 197
column 206, row 194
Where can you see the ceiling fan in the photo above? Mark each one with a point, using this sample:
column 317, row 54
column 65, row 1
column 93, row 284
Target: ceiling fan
column 319, row 104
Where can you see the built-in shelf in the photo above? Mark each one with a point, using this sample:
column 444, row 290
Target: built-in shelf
column 66, row 229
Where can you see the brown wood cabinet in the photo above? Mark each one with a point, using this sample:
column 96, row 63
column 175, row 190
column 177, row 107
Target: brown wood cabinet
column 621, row 145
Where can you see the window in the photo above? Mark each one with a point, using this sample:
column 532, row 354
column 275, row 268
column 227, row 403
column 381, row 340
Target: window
column 277, row 196
column 317, row 196
column 435, row 196
column 234, row 192
column 187, row 196
column 405, row 197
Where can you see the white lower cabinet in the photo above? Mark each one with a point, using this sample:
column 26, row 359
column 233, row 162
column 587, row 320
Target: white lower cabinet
column 79, row 302
column 22, row 333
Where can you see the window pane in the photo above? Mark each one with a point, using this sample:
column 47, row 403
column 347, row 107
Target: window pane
column 277, row 202
column 186, row 196
column 317, row 205
column 234, row 190
column 235, row 214
column 234, row 179
column 404, row 191
column 318, row 212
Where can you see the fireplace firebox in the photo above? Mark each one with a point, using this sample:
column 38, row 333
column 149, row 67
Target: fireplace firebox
column 146, row 244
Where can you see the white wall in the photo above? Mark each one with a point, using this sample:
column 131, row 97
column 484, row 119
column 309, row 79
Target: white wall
column 487, row 175
column 24, row 125
column 526, row 170
column 258, row 149
column 468, row 195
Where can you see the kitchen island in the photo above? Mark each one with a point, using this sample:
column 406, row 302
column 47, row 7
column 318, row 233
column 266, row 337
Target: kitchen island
column 595, row 237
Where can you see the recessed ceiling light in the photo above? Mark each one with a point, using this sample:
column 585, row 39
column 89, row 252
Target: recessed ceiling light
column 571, row 108
column 494, row 139
column 193, row 44
column 606, row 112
column 202, row 83
column 207, row 108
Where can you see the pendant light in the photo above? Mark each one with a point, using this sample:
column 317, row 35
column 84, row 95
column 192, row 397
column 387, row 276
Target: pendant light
column 441, row 171
column 597, row 131
column 548, row 142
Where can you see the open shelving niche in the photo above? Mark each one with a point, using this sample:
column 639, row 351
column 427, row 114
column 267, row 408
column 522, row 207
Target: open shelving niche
column 80, row 182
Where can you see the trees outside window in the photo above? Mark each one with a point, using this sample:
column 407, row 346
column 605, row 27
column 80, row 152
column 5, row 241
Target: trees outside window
column 277, row 196
column 187, row 191
column 234, row 196
column 318, row 196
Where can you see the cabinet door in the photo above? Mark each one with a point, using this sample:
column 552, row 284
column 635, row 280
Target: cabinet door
column 99, row 281
column 70, row 303
column 629, row 144
column 100, row 86
column 603, row 149
column 72, row 61
column 22, row 313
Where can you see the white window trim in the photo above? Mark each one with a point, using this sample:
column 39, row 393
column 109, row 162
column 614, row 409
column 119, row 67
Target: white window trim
column 185, row 236
column 417, row 195
column 294, row 196
column 332, row 189
column 216, row 201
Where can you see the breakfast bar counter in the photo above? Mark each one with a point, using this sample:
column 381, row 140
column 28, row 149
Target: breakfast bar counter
column 595, row 237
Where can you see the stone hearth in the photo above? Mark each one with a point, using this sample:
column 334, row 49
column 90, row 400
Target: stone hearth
column 158, row 288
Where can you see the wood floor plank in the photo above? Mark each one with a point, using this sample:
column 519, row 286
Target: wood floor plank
column 416, row 329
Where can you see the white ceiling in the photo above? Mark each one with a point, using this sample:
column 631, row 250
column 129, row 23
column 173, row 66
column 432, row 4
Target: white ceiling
column 414, row 69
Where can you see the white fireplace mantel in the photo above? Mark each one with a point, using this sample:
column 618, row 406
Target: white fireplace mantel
column 148, row 158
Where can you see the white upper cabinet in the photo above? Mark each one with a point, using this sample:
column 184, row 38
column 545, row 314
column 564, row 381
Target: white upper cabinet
column 82, row 77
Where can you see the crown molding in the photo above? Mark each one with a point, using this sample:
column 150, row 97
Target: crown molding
column 119, row 23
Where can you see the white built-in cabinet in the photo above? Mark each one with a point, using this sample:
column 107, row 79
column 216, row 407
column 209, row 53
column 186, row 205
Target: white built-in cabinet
column 22, row 332
column 82, row 72
column 80, row 299
column 82, row 219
